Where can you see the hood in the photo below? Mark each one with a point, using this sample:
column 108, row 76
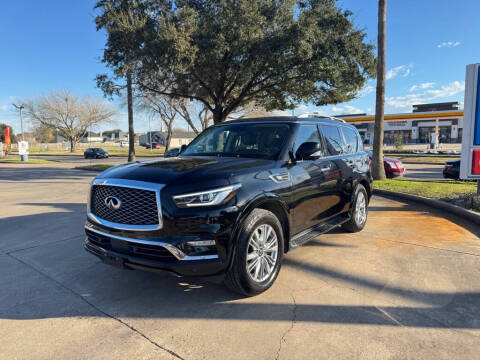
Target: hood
column 183, row 170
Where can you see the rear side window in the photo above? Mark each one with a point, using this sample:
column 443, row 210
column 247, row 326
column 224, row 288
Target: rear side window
column 333, row 139
column 306, row 133
column 351, row 139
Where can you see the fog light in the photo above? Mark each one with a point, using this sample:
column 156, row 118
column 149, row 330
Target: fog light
column 201, row 243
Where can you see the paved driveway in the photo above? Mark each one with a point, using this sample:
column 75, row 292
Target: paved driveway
column 408, row 286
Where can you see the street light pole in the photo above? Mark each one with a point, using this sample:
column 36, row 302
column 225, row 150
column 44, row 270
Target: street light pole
column 20, row 108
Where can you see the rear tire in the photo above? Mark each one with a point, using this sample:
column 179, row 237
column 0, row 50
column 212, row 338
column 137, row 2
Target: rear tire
column 258, row 254
column 358, row 212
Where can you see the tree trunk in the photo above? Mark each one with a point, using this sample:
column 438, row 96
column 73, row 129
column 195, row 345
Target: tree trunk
column 378, row 168
column 218, row 115
column 169, row 135
column 131, row 133
column 72, row 145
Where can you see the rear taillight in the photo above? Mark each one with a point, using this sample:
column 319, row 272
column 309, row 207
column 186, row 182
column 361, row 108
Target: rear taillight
column 448, row 167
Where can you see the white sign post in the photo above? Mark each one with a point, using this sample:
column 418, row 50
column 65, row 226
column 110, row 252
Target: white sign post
column 470, row 162
column 23, row 150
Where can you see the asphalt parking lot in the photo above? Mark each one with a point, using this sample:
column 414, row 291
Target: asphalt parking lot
column 408, row 286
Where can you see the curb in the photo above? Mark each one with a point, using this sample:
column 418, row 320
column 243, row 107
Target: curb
column 436, row 204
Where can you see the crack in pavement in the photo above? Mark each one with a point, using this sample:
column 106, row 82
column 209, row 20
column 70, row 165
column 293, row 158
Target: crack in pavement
column 294, row 319
column 432, row 247
column 131, row 327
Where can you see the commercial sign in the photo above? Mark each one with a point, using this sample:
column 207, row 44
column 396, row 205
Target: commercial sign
column 23, row 147
column 470, row 162
column 7, row 136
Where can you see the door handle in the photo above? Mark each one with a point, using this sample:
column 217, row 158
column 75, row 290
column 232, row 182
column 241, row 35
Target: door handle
column 327, row 168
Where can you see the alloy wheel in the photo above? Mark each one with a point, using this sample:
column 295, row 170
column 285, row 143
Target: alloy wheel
column 361, row 209
column 262, row 253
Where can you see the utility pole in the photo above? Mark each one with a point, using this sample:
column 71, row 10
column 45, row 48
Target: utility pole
column 20, row 108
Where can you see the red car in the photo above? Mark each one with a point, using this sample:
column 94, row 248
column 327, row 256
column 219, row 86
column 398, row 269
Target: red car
column 393, row 167
column 153, row 146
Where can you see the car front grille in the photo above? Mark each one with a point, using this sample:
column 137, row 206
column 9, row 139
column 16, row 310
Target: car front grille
column 138, row 206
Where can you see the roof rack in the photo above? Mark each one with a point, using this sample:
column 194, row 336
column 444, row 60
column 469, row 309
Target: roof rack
column 315, row 115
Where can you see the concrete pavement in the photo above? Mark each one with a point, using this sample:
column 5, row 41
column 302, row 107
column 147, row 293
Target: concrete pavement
column 408, row 286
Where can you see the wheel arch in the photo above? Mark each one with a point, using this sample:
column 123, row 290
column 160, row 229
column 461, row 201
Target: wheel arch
column 368, row 186
column 275, row 205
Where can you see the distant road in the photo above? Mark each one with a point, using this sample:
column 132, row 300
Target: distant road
column 81, row 160
column 424, row 171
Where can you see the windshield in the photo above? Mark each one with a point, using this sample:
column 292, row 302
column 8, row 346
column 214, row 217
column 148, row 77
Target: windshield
column 242, row 140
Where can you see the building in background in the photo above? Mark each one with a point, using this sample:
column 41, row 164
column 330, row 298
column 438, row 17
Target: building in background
column 116, row 135
column 440, row 123
column 91, row 137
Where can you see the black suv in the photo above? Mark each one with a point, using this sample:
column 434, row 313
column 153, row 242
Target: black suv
column 236, row 199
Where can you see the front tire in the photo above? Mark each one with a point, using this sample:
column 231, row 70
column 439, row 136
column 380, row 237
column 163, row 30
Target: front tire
column 359, row 211
column 258, row 254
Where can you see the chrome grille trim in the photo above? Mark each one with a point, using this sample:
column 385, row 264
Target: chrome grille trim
column 141, row 185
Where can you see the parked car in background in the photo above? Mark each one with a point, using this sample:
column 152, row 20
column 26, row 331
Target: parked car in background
column 268, row 186
column 451, row 170
column 393, row 167
column 172, row 152
column 153, row 146
column 123, row 143
column 95, row 153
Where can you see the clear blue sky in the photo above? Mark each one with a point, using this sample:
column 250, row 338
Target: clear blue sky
column 53, row 44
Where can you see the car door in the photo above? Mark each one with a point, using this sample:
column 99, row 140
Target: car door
column 311, row 187
column 341, row 173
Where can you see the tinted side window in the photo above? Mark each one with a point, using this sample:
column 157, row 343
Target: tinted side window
column 352, row 140
column 333, row 139
column 306, row 133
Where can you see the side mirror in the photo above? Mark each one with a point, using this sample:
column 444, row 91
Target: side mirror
column 182, row 148
column 308, row 151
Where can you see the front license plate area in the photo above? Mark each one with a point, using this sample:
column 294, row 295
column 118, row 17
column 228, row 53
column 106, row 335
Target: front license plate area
column 113, row 260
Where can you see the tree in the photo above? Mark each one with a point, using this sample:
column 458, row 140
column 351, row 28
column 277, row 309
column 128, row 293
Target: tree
column 273, row 53
column 166, row 107
column 68, row 114
column 188, row 109
column 377, row 161
column 399, row 141
column 44, row 134
column 124, row 21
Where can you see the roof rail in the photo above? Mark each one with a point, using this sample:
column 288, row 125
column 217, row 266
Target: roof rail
column 314, row 115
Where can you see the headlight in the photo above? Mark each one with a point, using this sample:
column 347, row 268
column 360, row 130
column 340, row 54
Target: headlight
column 207, row 198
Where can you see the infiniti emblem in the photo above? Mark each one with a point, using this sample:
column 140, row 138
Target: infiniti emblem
column 113, row 202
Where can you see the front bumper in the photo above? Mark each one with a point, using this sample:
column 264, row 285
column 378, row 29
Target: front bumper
column 149, row 255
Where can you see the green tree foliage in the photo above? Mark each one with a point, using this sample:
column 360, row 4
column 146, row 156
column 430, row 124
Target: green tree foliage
column 399, row 141
column 2, row 134
column 44, row 134
column 272, row 53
